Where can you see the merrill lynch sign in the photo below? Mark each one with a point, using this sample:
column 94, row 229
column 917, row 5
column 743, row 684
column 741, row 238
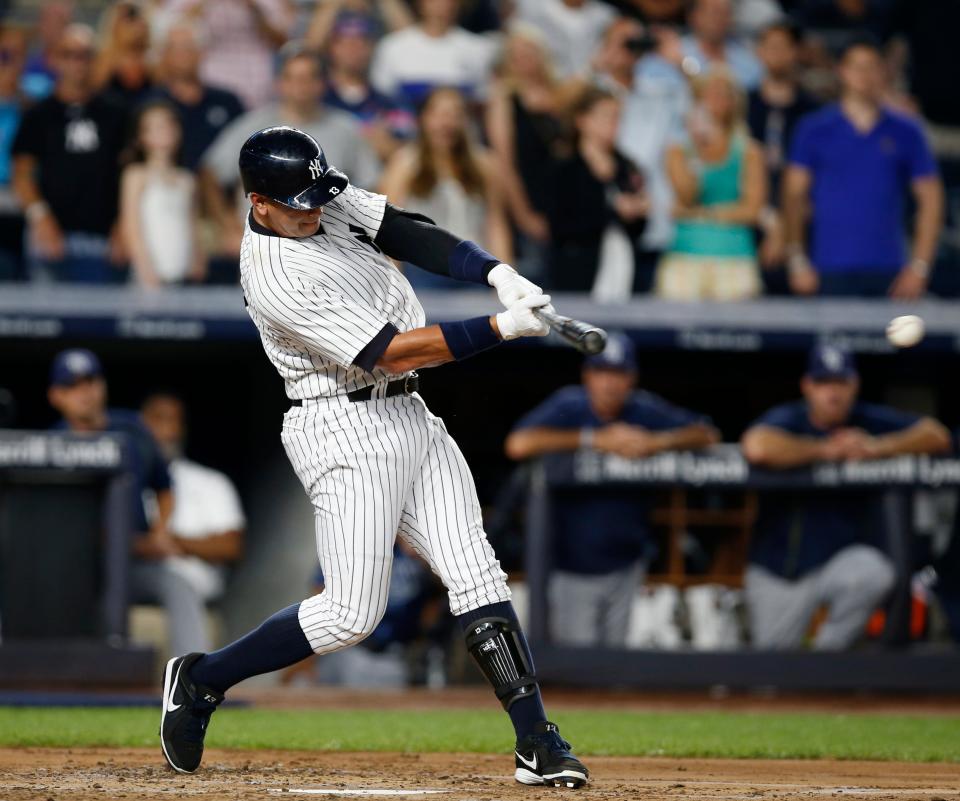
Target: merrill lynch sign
column 62, row 451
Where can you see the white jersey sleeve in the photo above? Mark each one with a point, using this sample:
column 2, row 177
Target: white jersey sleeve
column 358, row 208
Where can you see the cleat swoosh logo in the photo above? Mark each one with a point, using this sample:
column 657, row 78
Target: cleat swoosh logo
column 530, row 763
column 172, row 707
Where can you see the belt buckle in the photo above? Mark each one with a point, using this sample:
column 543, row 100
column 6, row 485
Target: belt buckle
column 406, row 382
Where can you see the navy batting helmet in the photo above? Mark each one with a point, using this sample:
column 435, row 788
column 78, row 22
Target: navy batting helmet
column 288, row 166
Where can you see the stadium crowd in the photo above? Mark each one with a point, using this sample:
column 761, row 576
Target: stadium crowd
column 696, row 149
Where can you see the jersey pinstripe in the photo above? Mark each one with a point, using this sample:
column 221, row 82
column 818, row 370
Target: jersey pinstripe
column 319, row 300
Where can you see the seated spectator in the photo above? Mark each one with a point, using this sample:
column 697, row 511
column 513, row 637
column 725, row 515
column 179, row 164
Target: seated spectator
column 446, row 176
column 597, row 198
column 602, row 542
column 66, row 171
column 158, row 203
column 525, row 127
column 301, row 88
column 204, row 110
column 39, row 73
column 409, row 63
column 207, row 521
column 79, row 392
column 385, row 123
column 642, row 68
column 241, row 40
column 720, row 187
column 13, row 50
column 711, row 43
column 773, row 110
column 383, row 15
column 854, row 164
column 824, row 549
column 572, row 29
column 121, row 70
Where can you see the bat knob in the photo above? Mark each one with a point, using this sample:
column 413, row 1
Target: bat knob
column 594, row 341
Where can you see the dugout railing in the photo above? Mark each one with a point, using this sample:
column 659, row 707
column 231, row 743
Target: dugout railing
column 893, row 664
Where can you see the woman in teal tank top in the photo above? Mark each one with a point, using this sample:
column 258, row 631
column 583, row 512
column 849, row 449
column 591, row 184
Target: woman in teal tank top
column 720, row 186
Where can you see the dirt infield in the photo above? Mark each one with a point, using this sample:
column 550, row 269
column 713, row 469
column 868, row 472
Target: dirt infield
column 85, row 774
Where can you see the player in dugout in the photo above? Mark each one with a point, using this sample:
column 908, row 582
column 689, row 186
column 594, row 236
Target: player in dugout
column 824, row 549
column 602, row 536
column 78, row 390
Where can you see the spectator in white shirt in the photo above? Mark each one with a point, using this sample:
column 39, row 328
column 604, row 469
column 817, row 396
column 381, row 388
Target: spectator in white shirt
column 573, row 29
column 435, row 52
column 712, row 41
column 207, row 521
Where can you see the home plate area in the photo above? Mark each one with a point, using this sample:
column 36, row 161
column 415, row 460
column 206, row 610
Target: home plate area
column 39, row 774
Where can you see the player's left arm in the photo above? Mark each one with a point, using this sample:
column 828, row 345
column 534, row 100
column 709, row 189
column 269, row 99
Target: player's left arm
column 414, row 238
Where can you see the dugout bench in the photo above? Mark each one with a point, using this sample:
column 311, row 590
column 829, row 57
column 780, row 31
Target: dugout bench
column 891, row 666
column 65, row 526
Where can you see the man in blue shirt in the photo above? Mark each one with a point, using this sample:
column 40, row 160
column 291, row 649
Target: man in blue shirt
column 855, row 164
column 824, row 549
column 602, row 540
column 79, row 392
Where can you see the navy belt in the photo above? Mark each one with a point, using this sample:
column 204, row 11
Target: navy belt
column 402, row 386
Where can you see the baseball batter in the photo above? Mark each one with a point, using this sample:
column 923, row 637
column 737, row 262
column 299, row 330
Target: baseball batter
column 346, row 332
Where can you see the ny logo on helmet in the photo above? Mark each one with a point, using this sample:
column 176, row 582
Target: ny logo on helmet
column 316, row 169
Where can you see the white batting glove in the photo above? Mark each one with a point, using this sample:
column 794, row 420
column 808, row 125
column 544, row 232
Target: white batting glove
column 510, row 285
column 520, row 321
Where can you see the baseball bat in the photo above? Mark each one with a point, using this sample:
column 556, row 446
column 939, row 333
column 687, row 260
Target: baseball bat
column 584, row 337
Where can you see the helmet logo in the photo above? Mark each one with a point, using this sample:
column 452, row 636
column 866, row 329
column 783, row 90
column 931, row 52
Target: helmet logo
column 334, row 191
column 316, row 169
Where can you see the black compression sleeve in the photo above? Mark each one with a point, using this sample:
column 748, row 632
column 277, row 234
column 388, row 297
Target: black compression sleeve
column 411, row 237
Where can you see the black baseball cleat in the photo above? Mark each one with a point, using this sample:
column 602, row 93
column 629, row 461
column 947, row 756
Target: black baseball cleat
column 187, row 708
column 544, row 758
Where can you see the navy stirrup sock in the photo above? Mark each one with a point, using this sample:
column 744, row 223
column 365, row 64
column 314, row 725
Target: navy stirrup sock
column 525, row 713
column 276, row 643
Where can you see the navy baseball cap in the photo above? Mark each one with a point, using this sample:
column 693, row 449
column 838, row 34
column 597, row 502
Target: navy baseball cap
column 828, row 362
column 619, row 354
column 71, row 365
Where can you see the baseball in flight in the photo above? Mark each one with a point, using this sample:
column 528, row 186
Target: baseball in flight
column 905, row 331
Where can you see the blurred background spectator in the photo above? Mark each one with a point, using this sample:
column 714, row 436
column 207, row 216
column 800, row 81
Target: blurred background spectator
column 158, row 207
column 204, row 110
column 448, row 177
column 720, row 185
column 13, row 51
column 386, row 123
column 382, row 15
column 598, row 205
column 39, row 74
column 434, row 52
column 602, row 540
column 855, row 165
column 525, row 123
column 712, row 42
column 207, row 520
column 121, row 69
column 300, row 87
column 813, row 550
column 641, row 66
column 572, row 29
column 66, row 171
column 774, row 109
column 241, row 38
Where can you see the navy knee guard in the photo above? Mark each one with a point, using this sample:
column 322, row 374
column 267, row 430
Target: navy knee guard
column 495, row 645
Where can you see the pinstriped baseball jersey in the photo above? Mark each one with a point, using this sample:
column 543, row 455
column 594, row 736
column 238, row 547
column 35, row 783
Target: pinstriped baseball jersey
column 318, row 301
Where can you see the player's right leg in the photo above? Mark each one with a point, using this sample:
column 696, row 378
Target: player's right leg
column 358, row 473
